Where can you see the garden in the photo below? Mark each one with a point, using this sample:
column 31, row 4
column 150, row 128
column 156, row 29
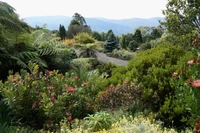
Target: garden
column 52, row 81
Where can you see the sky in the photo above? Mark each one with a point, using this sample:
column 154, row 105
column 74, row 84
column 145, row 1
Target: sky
column 111, row 9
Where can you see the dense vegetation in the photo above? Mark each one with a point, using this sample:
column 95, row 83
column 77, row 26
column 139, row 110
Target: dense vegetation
column 52, row 81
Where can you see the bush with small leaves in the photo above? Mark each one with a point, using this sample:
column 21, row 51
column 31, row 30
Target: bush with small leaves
column 114, row 97
column 84, row 38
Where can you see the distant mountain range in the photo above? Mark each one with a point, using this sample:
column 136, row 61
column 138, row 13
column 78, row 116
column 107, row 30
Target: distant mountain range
column 119, row 27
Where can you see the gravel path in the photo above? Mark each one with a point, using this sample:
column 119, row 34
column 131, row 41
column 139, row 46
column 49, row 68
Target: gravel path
column 104, row 58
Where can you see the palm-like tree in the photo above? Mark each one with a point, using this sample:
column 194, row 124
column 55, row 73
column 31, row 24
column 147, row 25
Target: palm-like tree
column 86, row 50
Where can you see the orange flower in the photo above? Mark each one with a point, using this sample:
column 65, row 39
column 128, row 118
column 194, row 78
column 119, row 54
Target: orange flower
column 196, row 83
column 71, row 89
column 69, row 118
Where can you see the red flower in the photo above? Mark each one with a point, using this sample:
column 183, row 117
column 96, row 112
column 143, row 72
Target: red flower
column 69, row 118
column 52, row 99
column 76, row 77
column 84, row 83
column 71, row 89
column 196, row 83
column 182, row 71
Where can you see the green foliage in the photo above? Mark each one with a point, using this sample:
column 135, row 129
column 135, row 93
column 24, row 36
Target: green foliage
column 73, row 30
column 133, row 45
column 79, row 19
column 152, row 70
column 118, row 75
column 13, row 129
column 98, row 121
column 106, row 69
column 77, row 25
column 157, row 65
column 111, row 42
column 96, row 35
column 123, row 54
column 138, row 124
column 62, row 32
column 137, row 36
column 84, row 38
column 182, row 16
column 74, row 22
column 187, row 86
column 123, row 42
column 43, row 99
column 5, row 114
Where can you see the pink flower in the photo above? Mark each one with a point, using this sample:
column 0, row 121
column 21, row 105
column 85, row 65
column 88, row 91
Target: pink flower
column 191, row 62
column 196, row 83
column 84, row 83
column 71, row 89
column 14, row 80
column 76, row 77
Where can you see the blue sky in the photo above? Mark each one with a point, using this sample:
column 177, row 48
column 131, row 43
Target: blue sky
column 112, row 9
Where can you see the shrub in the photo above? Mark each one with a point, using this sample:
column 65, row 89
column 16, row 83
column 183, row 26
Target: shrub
column 43, row 99
column 123, row 54
column 119, row 96
column 152, row 69
column 84, row 38
column 187, row 84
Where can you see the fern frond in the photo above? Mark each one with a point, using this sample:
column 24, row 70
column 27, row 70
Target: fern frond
column 26, row 55
column 40, row 62
column 10, row 23
column 49, row 51
column 19, row 62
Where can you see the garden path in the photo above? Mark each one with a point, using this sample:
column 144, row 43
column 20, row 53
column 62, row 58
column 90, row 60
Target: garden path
column 106, row 59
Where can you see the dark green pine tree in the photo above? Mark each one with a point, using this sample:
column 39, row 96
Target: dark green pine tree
column 138, row 36
column 111, row 43
column 62, row 32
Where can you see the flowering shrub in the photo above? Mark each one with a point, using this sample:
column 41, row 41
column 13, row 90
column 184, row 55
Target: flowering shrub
column 43, row 99
column 187, row 83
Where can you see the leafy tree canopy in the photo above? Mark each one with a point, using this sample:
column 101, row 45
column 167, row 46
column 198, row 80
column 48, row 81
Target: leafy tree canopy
column 182, row 16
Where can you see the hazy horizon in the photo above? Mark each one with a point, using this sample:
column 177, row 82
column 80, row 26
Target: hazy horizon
column 111, row 9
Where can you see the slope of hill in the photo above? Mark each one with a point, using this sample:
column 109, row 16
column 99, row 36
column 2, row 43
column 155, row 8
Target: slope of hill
column 97, row 24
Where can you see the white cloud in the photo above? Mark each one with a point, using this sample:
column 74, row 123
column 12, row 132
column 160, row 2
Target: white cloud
column 114, row 9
